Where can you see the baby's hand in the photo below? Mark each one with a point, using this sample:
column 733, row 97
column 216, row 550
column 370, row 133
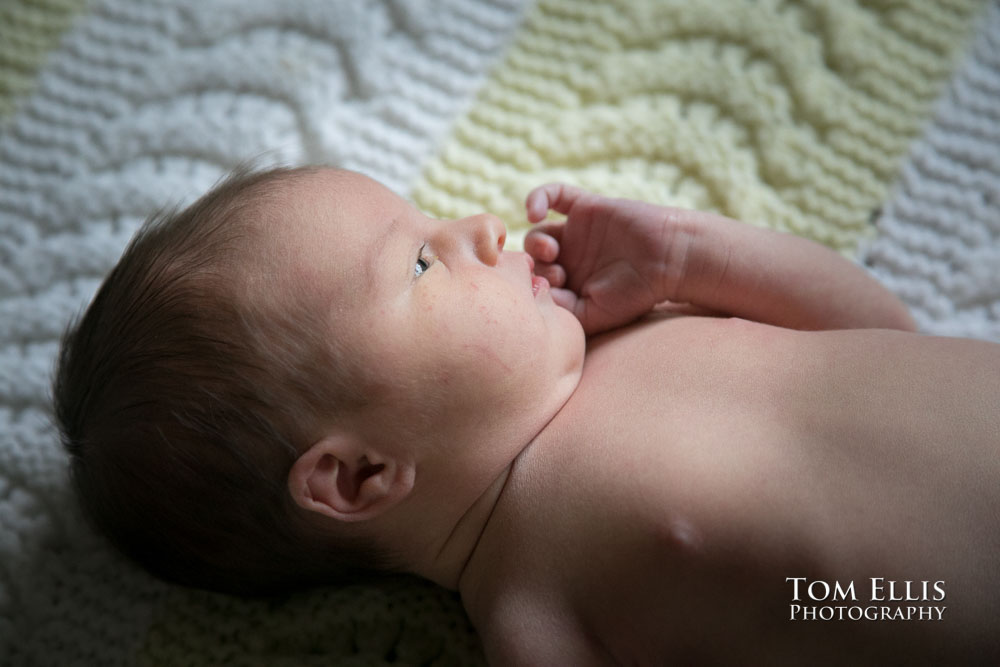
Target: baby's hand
column 608, row 262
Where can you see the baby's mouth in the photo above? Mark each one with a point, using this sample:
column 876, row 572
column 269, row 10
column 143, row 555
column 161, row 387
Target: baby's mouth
column 538, row 285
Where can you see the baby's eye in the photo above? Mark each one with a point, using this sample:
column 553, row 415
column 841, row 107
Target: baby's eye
column 423, row 263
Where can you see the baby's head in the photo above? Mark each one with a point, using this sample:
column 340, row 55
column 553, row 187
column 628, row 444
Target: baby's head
column 301, row 377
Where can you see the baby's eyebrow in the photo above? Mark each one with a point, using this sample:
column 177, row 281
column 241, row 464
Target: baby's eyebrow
column 376, row 250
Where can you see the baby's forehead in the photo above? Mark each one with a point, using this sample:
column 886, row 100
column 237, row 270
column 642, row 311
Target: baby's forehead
column 320, row 228
column 339, row 196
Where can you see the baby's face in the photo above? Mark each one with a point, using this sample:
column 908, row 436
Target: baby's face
column 452, row 330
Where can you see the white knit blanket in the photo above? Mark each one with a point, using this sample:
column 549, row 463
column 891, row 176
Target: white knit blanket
column 146, row 104
column 939, row 233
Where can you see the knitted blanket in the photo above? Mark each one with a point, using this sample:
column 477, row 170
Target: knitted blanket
column 868, row 125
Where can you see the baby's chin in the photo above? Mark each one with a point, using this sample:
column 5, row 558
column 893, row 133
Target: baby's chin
column 571, row 343
column 572, row 337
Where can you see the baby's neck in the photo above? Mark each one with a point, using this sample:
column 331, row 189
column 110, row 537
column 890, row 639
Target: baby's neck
column 451, row 559
column 477, row 543
column 507, row 533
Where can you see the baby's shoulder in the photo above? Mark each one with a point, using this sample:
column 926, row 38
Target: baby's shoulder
column 670, row 354
column 675, row 325
column 538, row 630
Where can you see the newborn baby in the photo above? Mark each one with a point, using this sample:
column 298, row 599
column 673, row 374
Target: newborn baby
column 658, row 436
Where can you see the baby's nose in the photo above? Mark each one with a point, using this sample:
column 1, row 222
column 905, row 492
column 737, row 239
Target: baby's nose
column 488, row 236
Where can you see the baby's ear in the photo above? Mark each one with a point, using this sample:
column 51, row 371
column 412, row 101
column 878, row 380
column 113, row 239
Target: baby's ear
column 340, row 477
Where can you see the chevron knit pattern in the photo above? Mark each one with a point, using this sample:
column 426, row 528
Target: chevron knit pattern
column 805, row 115
column 29, row 29
column 791, row 115
column 939, row 241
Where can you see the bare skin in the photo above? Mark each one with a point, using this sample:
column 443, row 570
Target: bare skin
column 731, row 455
column 738, row 454
column 777, row 419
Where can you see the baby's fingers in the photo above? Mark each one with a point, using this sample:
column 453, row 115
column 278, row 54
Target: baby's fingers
column 554, row 273
column 556, row 196
column 542, row 243
column 565, row 298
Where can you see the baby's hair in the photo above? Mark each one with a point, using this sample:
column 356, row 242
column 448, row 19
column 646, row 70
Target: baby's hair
column 184, row 395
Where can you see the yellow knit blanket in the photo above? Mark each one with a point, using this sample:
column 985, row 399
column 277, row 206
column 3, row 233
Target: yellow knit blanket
column 792, row 115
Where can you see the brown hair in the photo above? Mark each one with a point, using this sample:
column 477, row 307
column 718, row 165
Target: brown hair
column 184, row 398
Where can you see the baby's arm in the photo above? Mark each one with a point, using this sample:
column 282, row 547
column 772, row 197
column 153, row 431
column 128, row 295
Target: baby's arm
column 776, row 278
column 613, row 259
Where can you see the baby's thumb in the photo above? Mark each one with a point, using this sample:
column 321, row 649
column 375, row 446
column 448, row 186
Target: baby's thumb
column 565, row 298
column 582, row 308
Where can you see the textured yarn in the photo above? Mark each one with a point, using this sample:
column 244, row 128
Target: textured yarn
column 939, row 242
column 404, row 621
column 792, row 115
column 29, row 29
column 799, row 115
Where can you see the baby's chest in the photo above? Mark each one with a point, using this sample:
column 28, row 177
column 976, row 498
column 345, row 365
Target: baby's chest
column 656, row 601
column 693, row 389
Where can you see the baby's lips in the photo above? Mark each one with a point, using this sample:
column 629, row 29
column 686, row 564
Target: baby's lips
column 539, row 285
